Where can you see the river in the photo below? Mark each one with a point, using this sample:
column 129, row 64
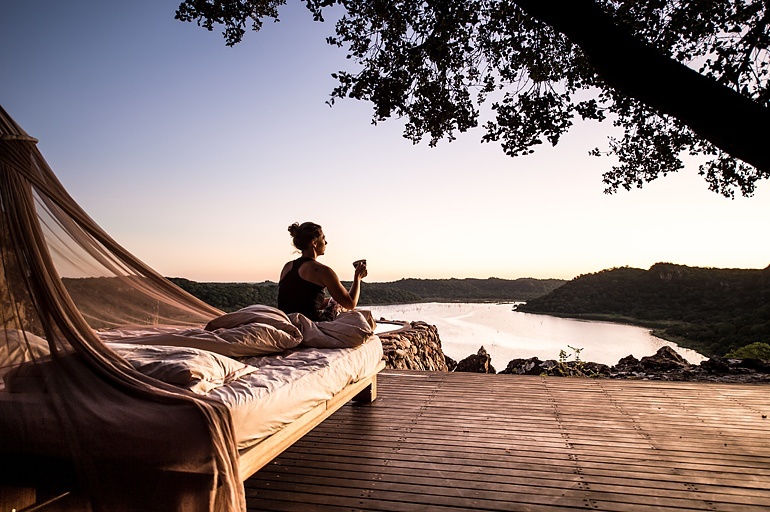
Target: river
column 508, row 334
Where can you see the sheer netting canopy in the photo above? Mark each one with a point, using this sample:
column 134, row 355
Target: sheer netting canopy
column 74, row 414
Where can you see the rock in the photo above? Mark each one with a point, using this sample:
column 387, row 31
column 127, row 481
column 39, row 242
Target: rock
column 480, row 362
column 531, row 366
column 757, row 365
column 664, row 359
column 417, row 346
column 716, row 365
column 629, row 363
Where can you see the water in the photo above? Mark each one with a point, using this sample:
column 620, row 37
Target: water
column 507, row 334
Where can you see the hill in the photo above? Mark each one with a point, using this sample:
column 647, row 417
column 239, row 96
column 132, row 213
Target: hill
column 471, row 290
column 232, row 296
column 711, row 310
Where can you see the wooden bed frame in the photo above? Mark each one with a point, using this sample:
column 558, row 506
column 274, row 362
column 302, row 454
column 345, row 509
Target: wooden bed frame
column 252, row 459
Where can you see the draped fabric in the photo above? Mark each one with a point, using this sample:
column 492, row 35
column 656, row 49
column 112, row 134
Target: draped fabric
column 132, row 442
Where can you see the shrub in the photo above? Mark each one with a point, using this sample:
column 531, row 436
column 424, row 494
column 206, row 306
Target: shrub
column 758, row 350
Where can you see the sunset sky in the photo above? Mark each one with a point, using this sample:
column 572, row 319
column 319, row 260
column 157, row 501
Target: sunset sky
column 196, row 157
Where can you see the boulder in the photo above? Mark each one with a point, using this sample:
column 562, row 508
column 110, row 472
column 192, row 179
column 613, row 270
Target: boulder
column 416, row 346
column 531, row 366
column 480, row 362
column 664, row 359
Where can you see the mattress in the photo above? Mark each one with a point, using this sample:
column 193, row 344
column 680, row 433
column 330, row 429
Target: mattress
column 281, row 388
column 286, row 386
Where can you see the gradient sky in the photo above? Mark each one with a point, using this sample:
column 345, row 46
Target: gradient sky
column 196, row 157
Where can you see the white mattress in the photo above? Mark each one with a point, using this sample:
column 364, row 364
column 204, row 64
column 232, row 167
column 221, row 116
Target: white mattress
column 283, row 388
column 288, row 385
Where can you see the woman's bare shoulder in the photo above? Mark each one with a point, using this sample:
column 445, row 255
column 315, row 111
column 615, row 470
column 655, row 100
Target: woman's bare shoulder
column 317, row 266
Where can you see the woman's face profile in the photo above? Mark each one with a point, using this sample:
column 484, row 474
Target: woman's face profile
column 320, row 244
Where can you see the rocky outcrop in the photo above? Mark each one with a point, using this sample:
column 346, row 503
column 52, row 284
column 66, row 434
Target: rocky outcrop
column 665, row 364
column 480, row 362
column 534, row 366
column 416, row 346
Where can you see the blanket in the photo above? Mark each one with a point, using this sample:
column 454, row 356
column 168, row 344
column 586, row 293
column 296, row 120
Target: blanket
column 349, row 329
column 261, row 330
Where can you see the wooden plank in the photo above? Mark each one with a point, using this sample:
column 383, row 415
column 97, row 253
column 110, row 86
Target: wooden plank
column 468, row 476
column 440, row 441
column 435, row 487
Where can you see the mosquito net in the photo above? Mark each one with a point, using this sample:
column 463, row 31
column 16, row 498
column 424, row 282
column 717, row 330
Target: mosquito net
column 73, row 413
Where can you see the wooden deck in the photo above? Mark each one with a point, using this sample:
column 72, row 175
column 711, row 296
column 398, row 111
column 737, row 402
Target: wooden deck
column 454, row 442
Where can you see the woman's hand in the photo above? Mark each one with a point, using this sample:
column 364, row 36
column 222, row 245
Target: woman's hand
column 361, row 271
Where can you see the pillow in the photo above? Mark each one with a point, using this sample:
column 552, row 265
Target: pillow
column 256, row 313
column 27, row 377
column 34, row 376
column 197, row 370
column 18, row 347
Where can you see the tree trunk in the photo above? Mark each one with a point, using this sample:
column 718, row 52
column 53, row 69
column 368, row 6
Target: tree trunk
column 730, row 121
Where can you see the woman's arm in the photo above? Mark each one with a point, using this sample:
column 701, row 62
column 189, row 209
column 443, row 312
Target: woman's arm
column 348, row 299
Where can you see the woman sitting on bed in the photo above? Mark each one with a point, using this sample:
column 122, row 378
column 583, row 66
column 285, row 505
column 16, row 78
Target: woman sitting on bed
column 303, row 281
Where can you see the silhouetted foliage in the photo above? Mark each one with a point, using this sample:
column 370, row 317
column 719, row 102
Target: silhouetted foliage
column 233, row 296
column 469, row 290
column 710, row 310
column 678, row 77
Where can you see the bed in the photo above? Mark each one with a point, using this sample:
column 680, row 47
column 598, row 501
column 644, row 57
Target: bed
column 273, row 398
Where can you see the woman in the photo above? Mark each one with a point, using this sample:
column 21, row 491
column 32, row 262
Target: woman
column 303, row 281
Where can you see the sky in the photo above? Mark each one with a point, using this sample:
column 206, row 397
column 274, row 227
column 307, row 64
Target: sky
column 196, row 157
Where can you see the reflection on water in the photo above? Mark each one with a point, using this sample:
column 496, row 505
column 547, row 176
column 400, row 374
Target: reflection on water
column 387, row 326
column 507, row 334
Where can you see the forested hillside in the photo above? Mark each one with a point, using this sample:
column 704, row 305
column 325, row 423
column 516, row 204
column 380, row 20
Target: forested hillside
column 491, row 289
column 710, row 310
column 232, row 296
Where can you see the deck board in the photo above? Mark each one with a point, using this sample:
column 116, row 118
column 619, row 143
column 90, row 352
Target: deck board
column 468, row 442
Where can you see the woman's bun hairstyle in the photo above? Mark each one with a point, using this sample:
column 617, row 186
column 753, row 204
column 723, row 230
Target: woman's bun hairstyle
column 303, row 234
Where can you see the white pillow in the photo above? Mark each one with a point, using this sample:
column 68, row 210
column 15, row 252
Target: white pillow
column 18, row 347
column 197, row 370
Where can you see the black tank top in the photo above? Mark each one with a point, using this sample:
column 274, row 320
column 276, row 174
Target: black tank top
column 296, row 295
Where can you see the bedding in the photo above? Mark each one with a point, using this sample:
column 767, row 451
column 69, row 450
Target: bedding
column 254, row 313
column 252, row 331
column 284, row 385
column 277, row 390
column 287, row 385
column 253, row 339
column 199, row 371
column 13, row 351
column 270, row 385
column 349, row 329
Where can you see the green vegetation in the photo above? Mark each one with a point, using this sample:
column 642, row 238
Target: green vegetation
column 757, row 350
column 713, row 311
column 233, row 296
column 230, row 296
column 457, row 290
